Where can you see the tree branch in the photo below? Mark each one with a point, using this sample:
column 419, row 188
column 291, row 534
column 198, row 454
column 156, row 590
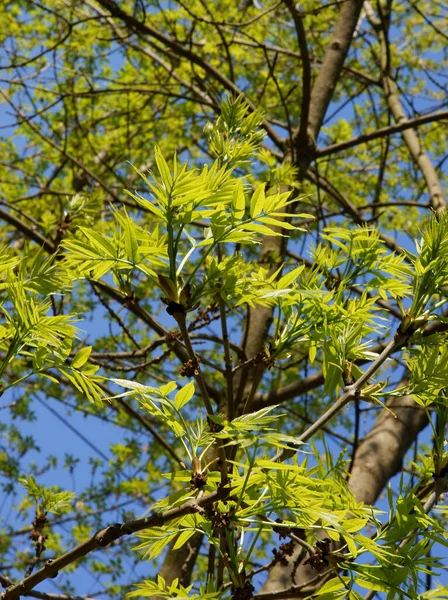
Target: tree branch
column 29, row 232
column 105, row 537
column 335, row 55
column 54, row 145
column 416, row 150
column 302, row 133
column 7, row 582
column 381, row 133
column 350, row 392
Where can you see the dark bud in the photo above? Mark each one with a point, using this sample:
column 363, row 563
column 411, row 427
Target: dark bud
column 174, row 307
column 245, row 593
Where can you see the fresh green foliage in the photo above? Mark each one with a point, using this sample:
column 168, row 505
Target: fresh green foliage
column 236, row 135
column 42, row 342
column 224, row 272
column 329, row 323
column 46, row 500
column 174, row 590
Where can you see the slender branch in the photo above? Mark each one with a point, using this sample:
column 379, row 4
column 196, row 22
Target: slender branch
column 257, row 378
column 215, row 338
column 335, row 55
column 105, row 537
column 227, row 355
column 440, row 487
column 253, row 43
column 315, row 380
column 313, row 176
column 305, row 590
column 302, row 135
column 131, row 354
column 383, row 303
column 29, row 232
column 203, row 97
column 115, row 316
column 271, row 67
column 303, row 543
column 355, row 445
column 350, row 392
column 427, row 20
column 180, row 319
column 7, row 582
column 246, row 363
column 416, row 150
column 56, row 146
column 338, row 436
column 139, row 311
column 124, row 300
column 199, row 378
column 127, row 408
column 220, row 23
column 289, row 391
column 381, row 133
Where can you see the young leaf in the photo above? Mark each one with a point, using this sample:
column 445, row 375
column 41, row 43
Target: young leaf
column 258, row 200
column 81, row 357
column 184, row 395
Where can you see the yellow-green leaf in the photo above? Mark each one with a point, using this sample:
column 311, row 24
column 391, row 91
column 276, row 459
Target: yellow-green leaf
column 184, row 395
column 238, row 201
column 81, row 357
column 258, row 200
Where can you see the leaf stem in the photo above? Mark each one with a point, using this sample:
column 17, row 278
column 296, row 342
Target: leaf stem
column 181, row 321
column 227, row 355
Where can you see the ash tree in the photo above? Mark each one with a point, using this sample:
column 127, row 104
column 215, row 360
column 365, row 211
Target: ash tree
column 224, row 268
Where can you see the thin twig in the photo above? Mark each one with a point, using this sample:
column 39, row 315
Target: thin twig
column 227, row 355
column 199, row 378
column 380, row 133
column 105, row 537
column 350, row 392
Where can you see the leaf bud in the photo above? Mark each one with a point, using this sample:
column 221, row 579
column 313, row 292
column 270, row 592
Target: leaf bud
column 169, row 287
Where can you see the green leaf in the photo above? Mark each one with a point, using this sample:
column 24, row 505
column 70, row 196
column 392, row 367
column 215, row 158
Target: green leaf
column 277, row 223
column 183, row 538
column 238, row 201
column 46, row 499
column 335, row 584
column 163, row 168
column 39, row 357
column 258, row 201
column 81, row 357
column 184, row 395
column 259, row 228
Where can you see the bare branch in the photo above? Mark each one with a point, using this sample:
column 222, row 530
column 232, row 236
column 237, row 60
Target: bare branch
column 416, row 150
column 105, row 537
column 62, row 151
column 29, row 232
column 380, row 133
column 306, row 74
column 335, row 56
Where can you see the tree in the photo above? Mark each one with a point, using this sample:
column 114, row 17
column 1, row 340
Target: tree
column 276, row 342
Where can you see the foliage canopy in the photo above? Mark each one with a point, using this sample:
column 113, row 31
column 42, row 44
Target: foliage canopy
column 225, row 240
